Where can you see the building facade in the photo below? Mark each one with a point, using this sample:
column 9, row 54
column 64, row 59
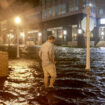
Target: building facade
column 62, row 18
column 101, row 19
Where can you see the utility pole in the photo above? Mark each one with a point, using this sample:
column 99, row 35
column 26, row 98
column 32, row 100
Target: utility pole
column 18, row 22
column 88, row 38
column 18, row 54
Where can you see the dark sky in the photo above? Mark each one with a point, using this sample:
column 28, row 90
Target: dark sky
column 15, row 2
column 12, row 7
column 33, row 2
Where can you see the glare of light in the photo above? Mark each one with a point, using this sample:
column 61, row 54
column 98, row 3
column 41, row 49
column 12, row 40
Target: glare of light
column 102, row 37
column 90, row 4
column 11, row 36
column 80, row 31
column 65, row 32
column 22, row 34
column 17, row 20
column 39, row 34
column 102, row 21
column 102, row 33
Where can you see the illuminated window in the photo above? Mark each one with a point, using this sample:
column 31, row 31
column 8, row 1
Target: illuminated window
column 74, row 33
column 102, row 21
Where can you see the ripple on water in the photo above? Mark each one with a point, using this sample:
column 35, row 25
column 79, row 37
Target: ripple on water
column 74, row 86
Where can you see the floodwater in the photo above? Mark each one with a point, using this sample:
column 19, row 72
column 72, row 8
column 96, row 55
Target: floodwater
column 74, row 85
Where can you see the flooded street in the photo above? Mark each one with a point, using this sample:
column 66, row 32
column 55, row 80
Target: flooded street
column 73, row 86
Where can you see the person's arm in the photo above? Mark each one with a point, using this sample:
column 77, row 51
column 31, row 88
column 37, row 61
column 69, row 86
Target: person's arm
column 40, row 54
column 51, row 55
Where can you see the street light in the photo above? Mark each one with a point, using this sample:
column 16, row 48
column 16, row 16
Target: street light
column 18, row 22
column 65, row 34
column 90, row 4
column 39, row 34
column 80, row 31
column 102, row 33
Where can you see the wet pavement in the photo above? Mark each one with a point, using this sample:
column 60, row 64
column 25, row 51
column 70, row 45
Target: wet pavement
column 73, row 86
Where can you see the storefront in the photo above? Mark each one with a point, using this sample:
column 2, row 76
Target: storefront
column 34, row 37
column 67, row 34
column 65, row 29
column 59, row 33
column 101, row 23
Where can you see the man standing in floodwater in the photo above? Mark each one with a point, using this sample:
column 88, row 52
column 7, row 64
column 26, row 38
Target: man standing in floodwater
column 46, row 54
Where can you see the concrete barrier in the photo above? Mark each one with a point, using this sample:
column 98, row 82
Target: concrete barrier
column 3, row 64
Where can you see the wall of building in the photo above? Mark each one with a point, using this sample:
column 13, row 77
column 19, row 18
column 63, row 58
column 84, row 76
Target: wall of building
column 69, row 14
column 100, row 19
column 54, row 8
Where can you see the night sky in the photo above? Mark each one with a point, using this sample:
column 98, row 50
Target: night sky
column 11, row 7
column 33, row 2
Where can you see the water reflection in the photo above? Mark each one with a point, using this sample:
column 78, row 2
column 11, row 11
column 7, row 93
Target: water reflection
column 19, row 83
